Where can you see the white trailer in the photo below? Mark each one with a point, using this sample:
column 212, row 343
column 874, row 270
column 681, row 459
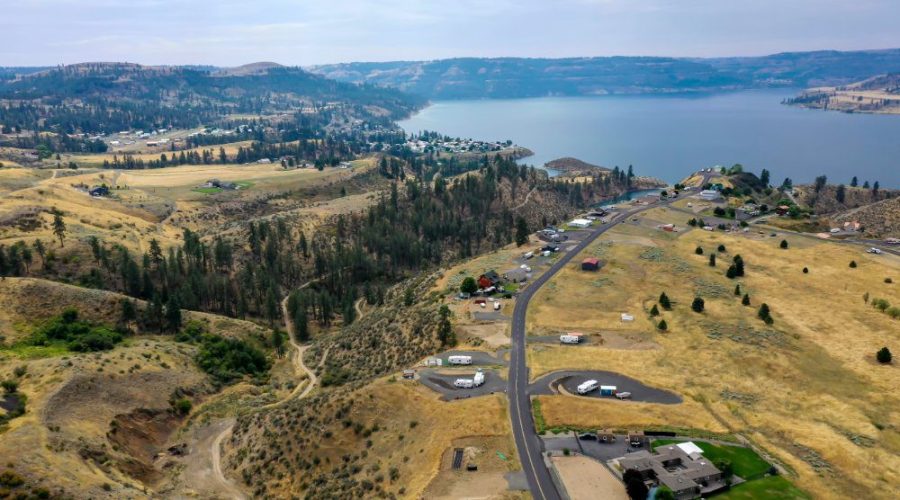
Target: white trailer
column 459, row 360
column 528, row 255
column 569, row 339
column 464, row 383
column 497, row 305
column 587, row 386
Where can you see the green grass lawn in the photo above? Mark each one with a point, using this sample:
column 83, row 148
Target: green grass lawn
column 771, row 487
column 23, row 350
column 747, row 464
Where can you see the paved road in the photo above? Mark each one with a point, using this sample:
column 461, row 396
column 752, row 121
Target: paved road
column 528, row 443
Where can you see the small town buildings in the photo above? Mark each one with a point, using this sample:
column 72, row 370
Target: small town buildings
column 590, row 264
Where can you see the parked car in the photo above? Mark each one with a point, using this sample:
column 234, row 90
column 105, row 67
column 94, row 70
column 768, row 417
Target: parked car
column 874, row 250
column 587, row 436
column 623, row 395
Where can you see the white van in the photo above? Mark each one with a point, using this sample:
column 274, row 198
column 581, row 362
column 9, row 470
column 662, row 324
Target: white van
column 587, row 386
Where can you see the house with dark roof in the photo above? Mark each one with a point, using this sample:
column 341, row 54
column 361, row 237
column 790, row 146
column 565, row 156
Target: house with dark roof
column 680, row 467
column 590, row 264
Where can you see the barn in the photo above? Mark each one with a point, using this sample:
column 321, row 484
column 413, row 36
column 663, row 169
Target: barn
column 590, row 264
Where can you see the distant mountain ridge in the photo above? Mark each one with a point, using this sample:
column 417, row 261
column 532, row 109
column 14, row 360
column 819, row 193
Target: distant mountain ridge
column 509, row 77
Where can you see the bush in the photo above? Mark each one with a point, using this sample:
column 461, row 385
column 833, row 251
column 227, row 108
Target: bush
column 881, row 304
column 888, row 281
column 665, row 302
column 784, row 244
column 9, row 386
column 654, row 311
column 78, row 335
column 182, row 406
column 721, row 248
column 765, row 314
column 746, row 300
column 698, row 305
column 805, row 270
column 893, row 312
column 853, row 263
column 884, row 355
column 229, row 359
column 699, row 251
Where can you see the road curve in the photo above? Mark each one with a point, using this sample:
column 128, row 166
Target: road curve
column 527, row 441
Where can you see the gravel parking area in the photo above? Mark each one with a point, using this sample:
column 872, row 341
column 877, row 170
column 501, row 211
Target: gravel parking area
column 569, row 380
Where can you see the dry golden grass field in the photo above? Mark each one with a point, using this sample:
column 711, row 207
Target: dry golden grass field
column 155, row 203
column 806, row 390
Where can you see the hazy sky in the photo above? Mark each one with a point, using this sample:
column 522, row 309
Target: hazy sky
column 304, row 32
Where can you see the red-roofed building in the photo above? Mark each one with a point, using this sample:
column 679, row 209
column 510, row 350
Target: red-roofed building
column 590, row 264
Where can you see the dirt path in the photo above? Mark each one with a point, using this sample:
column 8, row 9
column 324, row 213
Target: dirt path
column 527, row 197
column 358, row 306
column 299, row 392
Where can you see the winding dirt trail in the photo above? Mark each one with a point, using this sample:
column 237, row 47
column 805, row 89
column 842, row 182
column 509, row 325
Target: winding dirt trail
column 299, row 392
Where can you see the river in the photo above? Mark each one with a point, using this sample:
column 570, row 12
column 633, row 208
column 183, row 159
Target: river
column 670, row 136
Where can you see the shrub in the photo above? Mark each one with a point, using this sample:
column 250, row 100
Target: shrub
column 228, row 359
column 853, row 263
column 731, row 273
column 881, row 304
column 699, row 251
column 698, row 305
column 721, row 248
column 9, row 386
column 764, row 313
column 884, row 355
column 746, row 300
column 784, row 244
column 888, row 281
column 20, row 371
column 182, row 406
column 894, row 312
column 662, row 325
column 805, row 270
column 665, row 302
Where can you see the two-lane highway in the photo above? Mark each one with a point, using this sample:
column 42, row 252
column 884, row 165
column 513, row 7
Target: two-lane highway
column 527, row 441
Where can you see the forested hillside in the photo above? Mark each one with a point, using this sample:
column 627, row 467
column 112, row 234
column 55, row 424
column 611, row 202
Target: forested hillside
column 468, row 78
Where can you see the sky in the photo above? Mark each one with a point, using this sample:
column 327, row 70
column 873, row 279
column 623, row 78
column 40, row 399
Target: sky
column 309, row 32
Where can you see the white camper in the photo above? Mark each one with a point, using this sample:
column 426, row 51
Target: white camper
column 569, row 339
column 497, row 305
column 464, row 383
column 460, row 360
column 587, row 386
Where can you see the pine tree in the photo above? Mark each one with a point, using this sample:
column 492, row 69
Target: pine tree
column 698, row 305
column 665, row 302
column 521, row 231
column 173, row 313
column 784, row 244
column 59, row 228
column 699, row 251
column 737, row 290
column 712, row 260
column 746, row 300
column 654, row 311
column 662, row 325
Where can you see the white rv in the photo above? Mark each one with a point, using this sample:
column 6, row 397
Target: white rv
column 464, row 383
column 460, row 360
column 587, row 386
column 569, row 339
column 497, row 305
column 479, row 378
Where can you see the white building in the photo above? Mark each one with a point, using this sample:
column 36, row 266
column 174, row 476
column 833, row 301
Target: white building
column 710, row 195
column 580, row 223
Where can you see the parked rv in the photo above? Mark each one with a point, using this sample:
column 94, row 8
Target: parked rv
column 623, row 395
column 497, row 305
column 478, row 380
column 464, row 383
column 460, row 360
column 569, row 339
column 587, row 386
